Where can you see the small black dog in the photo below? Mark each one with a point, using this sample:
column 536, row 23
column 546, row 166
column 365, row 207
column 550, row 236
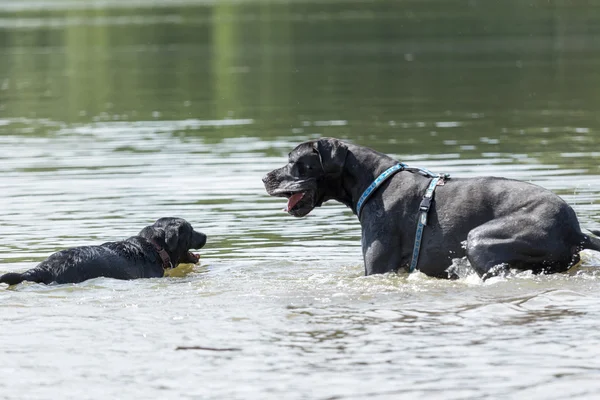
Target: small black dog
column 160, row 246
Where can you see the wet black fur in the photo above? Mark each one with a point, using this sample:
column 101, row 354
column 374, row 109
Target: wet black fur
column 132, row 258
column 494, row 222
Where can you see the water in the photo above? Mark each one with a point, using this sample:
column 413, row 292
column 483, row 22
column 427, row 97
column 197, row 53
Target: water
column 113, row 114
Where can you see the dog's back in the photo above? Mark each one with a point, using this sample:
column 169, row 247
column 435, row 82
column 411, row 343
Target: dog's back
column 119, row 260
column 162, row 245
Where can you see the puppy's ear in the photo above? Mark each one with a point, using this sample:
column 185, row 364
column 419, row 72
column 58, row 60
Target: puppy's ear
column 156, row 235
column 172, row 238
column 332, row 153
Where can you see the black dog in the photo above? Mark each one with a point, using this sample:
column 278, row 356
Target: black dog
column 496, row 223
column 160, row 246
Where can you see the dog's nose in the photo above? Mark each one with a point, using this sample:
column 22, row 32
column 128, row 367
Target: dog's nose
column 198, row 240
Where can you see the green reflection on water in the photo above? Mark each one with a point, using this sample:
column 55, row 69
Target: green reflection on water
column 413, row 77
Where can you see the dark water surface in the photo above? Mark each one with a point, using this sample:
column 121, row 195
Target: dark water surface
column 113, row 114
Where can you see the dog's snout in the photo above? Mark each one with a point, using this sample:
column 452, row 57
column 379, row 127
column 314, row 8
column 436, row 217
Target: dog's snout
column 270, row 180
column 199, row 240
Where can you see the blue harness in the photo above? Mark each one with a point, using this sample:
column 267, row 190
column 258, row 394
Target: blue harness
column 436, row 179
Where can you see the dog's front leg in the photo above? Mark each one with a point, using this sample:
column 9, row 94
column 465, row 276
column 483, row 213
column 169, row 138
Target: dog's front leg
column 380, row 255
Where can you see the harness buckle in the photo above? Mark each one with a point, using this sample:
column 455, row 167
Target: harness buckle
column 425, row 204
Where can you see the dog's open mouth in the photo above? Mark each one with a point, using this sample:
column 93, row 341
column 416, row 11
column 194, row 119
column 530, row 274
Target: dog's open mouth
column 299, row 203
column 192, row 258
column 293, row 200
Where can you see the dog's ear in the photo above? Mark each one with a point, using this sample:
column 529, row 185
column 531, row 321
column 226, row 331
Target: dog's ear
column 172, row 237
column 156, row 235
column 332, row 153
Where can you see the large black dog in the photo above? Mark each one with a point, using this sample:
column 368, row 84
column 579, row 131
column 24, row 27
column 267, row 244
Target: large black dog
column 496, row 223
column 160, row 246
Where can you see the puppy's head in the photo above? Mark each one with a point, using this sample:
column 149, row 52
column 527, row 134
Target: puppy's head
column 177, row 237
column 311, row 176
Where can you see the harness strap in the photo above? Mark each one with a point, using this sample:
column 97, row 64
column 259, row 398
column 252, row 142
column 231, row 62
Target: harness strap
column 423, row 211
column 436, row 180
column 422, row 171
column 376, row 183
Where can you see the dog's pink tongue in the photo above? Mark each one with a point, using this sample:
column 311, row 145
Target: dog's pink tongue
column 293, row 200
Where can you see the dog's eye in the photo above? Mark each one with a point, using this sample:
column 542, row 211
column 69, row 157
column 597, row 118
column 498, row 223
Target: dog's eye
column 302, row 168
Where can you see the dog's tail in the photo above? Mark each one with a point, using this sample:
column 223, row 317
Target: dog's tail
column 14, row 278
column 592, row 242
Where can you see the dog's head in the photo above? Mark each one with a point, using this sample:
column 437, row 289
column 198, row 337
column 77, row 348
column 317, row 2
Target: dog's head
column 177, row 237
column 311, row 176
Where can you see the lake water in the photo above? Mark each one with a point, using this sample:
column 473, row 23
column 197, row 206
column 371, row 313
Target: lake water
column 116, row 113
